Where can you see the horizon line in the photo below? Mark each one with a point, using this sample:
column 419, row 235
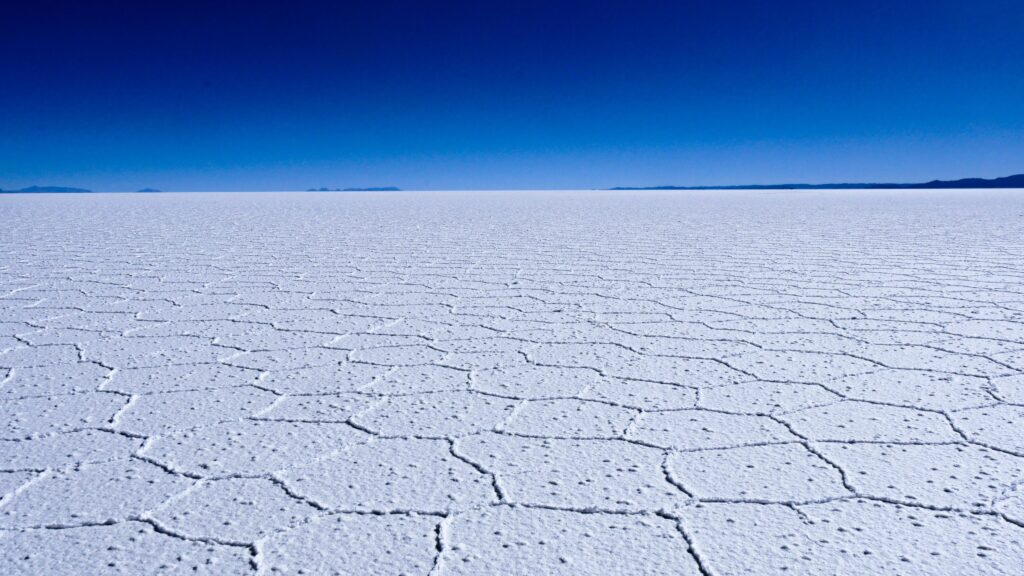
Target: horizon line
column 1011, row 181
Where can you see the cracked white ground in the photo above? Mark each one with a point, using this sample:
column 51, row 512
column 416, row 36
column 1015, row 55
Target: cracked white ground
column 513, row 383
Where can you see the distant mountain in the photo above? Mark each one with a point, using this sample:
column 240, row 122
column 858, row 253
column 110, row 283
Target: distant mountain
column 374, row 189
column 150, row 190
column 1016, row 181
column 44, row 189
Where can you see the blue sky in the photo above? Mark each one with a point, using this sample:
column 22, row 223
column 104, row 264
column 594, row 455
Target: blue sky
column 521, row 94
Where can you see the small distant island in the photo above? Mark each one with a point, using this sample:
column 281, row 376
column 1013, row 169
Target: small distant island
column 150, row 190
column 1015, row 181
column 371, row 189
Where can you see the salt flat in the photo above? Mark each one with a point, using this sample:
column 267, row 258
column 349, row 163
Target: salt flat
column 513, row 383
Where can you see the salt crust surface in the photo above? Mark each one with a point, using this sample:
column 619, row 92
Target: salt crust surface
column 513, row 383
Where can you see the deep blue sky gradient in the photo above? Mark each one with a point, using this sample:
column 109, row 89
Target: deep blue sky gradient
column 478, row 94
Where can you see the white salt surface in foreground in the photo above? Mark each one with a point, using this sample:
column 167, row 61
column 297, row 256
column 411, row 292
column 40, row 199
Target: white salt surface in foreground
column 513, row 383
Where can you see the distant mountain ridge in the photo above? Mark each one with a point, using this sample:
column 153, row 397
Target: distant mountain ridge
column 1015, row 181
column 45, row 189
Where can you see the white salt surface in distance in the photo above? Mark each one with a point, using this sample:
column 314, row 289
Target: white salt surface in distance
column 513, row 383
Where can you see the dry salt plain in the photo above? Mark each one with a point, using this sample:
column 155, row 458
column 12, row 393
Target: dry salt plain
column 513, row 383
